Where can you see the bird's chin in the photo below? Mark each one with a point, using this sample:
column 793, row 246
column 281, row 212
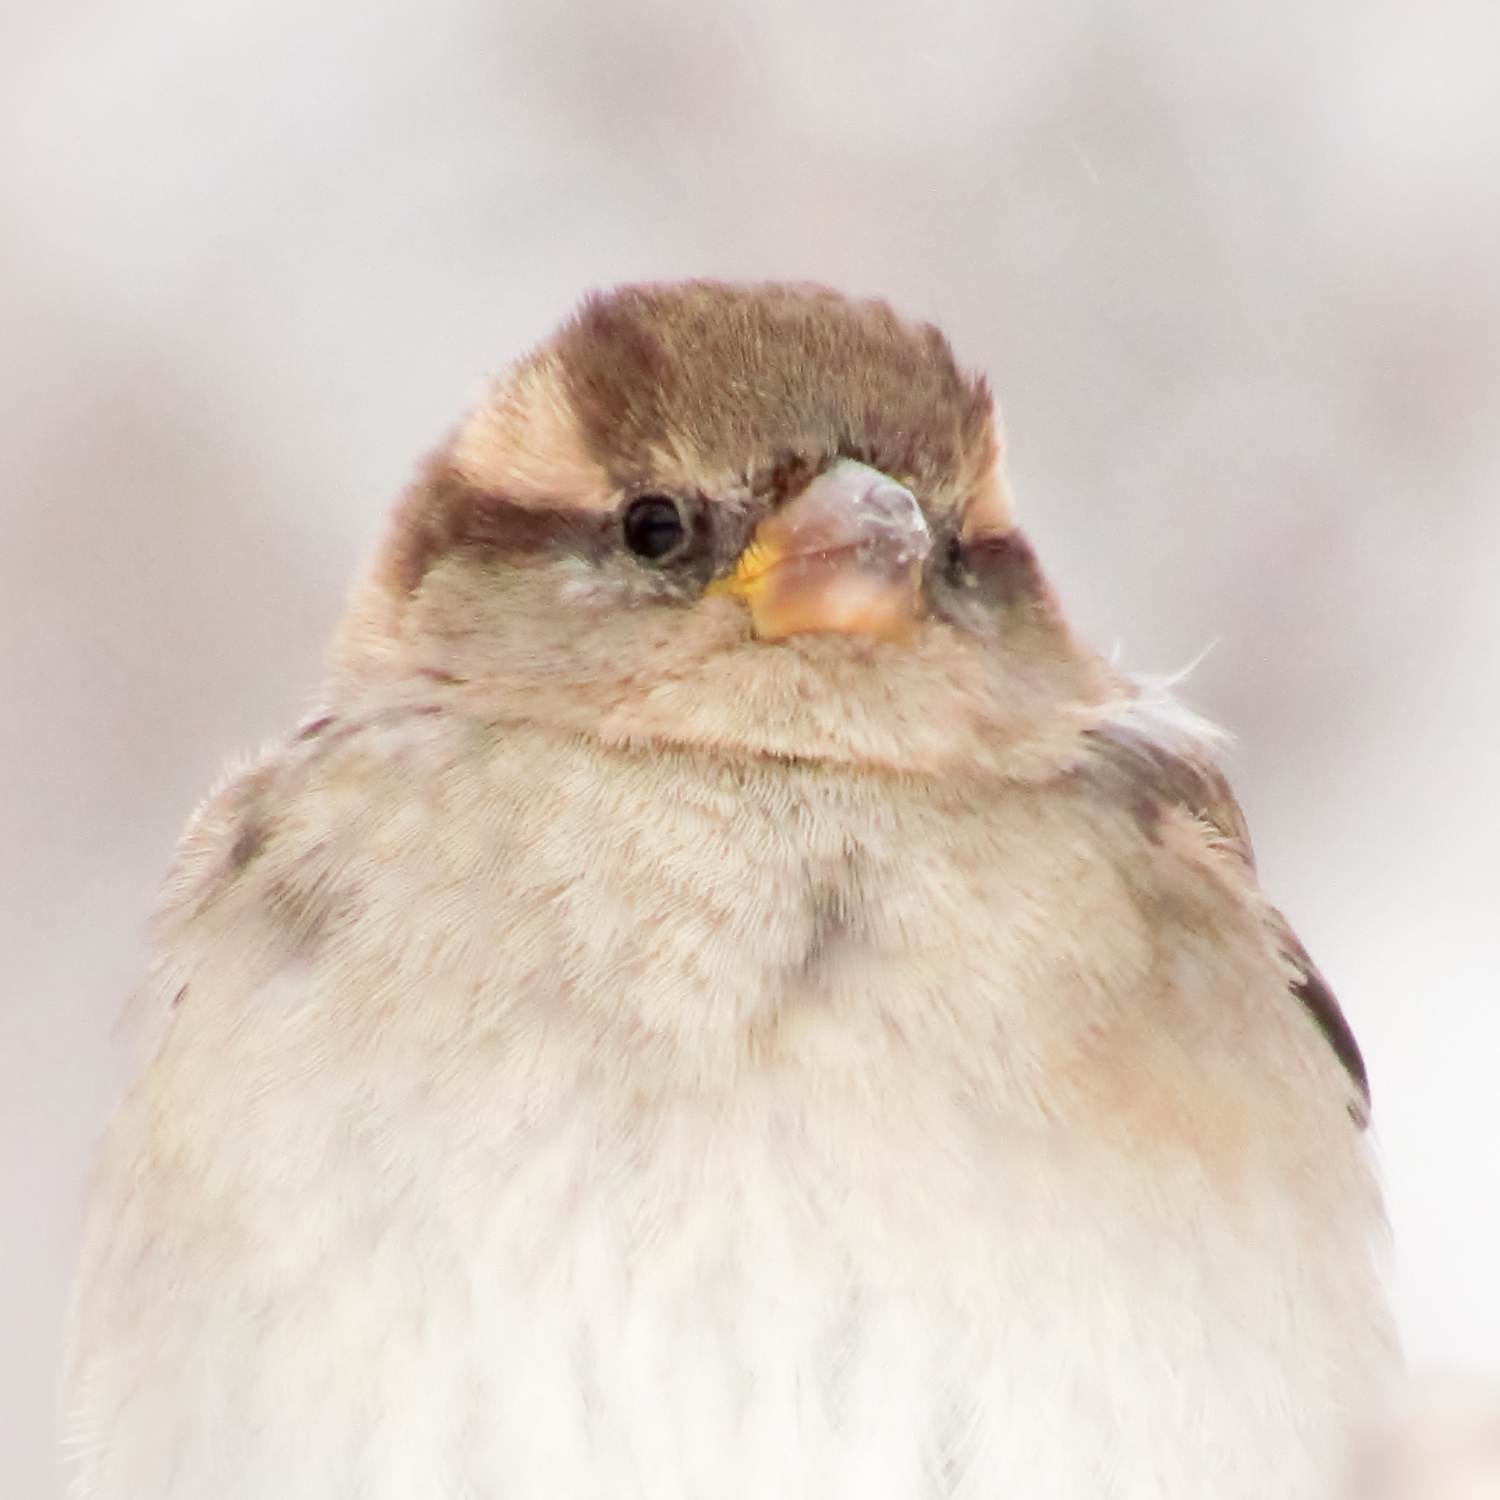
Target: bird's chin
column 929, row 705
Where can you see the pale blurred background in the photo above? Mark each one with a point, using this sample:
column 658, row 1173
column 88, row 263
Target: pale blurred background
column 1234, row 270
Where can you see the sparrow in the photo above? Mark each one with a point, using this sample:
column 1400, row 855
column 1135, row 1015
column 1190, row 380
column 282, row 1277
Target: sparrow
column 728, row 998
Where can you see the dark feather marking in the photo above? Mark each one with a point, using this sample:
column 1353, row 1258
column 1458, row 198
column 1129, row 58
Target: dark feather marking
column 249, row 842
column 518, row 533
column 303, row 911
column 1148, row 778
column 444, row 513
column 300, row 907
column 1004, row 573
column 621, row 381
column 1323, row 1006
column 830, row 918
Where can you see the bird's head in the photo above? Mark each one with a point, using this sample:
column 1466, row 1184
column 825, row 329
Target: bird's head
column 759, row 519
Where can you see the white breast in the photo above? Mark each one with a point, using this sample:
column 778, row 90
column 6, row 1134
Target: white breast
column 710, row 1313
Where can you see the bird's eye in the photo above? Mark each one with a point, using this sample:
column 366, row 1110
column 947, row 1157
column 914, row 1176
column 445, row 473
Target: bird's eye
column 654, row 527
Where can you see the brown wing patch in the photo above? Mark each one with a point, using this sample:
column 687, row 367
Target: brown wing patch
column 1149, row 778
column 1322, row 1005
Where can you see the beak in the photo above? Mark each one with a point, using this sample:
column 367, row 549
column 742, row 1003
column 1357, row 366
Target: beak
column 846, row 556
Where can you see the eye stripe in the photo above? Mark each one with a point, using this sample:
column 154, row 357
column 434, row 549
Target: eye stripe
column 447, row 514
column 522, row 532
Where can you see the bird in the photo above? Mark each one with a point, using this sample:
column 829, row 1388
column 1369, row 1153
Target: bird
column 727, row 997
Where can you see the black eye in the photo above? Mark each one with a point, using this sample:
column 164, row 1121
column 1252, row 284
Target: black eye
column 654, row 526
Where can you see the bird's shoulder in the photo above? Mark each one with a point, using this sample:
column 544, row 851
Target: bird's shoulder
column 1159, row 768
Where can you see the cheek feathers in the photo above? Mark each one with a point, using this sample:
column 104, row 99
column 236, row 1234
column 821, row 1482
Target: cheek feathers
column 443, row 516
column 517, row 478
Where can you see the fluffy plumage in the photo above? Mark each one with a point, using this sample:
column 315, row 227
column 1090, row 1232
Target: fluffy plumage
column 611, row 1054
